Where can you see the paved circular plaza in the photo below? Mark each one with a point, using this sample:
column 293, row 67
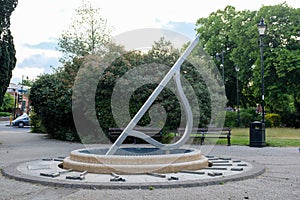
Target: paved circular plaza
column 47, row 171
column 34, row 153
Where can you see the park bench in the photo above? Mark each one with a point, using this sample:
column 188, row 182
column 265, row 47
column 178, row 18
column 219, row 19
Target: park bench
column 212, row 132
column 155, row 133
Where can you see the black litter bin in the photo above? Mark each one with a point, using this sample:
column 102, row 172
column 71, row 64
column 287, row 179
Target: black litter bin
column 257, row 134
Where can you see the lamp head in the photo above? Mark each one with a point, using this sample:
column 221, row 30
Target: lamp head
column 262, row 27
column 237, row 68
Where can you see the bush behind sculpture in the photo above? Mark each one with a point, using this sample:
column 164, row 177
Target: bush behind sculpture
column 51, row 97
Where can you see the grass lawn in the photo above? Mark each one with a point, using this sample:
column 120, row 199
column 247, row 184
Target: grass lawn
column 275, row 137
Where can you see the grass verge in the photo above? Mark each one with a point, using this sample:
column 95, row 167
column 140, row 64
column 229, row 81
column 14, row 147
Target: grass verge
column 275, row 137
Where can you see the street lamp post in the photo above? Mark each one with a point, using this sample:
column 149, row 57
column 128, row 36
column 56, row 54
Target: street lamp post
column 237, row 69
column 221, row 56
column 257, row 129
column 262, row 27
column 15, row 103
column 22, row 88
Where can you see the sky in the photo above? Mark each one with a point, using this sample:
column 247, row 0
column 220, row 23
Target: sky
column 37, row 24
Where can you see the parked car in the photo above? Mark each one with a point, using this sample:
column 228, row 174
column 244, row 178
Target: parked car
column 21, row 121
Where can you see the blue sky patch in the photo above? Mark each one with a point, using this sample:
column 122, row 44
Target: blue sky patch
column 185, row 28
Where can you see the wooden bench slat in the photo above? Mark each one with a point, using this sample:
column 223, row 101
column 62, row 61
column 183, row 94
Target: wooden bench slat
column 213, row 132
column 201, row 133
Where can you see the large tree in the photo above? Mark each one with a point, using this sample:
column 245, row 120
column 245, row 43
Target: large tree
column 51, row 95
column 236, row 33
column 215, row 37
column 7, row 50
column 87, row 34
column 282, row 57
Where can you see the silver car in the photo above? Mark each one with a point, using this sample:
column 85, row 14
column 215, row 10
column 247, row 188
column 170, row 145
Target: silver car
column 21, row 121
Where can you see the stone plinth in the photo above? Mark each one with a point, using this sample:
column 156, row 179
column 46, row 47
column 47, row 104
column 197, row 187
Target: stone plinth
column 135, row 160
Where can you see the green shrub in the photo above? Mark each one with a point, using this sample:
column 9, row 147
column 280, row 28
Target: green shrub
column 273, row 120
column 51, row 100
column 167, row 138
column 5, row 114
column 290, row 120
column 166, row 98
column 36, row 123
column 246, row 117
column 51, row 96
column 8, row 103
column 231, row 119
column 251, row 111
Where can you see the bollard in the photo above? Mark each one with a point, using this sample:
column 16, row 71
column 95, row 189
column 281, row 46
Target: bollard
column 10, row 119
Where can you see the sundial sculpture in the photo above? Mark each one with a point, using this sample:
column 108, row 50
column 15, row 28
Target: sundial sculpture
column 170, row 157
column 174, row 72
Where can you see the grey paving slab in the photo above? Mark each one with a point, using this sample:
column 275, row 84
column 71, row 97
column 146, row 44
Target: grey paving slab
column 280, row 181
column 31, row 172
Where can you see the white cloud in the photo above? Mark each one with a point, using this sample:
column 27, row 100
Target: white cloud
column 25, row 53
column 36, row 21
column 30, row 72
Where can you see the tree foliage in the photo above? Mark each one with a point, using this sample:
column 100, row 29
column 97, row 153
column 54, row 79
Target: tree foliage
column 152, row 66
column 51, row 100
column 94, row 61
column 51, row 94
column 8, row 103
column 87, row 34
column 236, row 33
column 7, row 50
column 282, row 57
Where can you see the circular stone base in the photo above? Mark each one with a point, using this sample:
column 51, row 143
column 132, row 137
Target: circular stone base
column 135, row 160
column 224, row 170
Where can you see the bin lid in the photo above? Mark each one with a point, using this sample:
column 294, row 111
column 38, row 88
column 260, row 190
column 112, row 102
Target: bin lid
column 256, row 122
